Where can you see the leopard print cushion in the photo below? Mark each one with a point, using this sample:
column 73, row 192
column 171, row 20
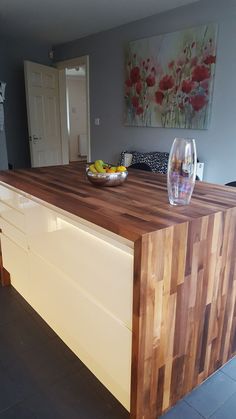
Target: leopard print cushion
column 121, row 161
column 158, row 161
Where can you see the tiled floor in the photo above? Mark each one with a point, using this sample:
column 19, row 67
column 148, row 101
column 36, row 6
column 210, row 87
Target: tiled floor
column 40, row 378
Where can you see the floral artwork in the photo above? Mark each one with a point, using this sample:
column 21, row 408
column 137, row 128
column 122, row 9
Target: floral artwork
column 169, row 79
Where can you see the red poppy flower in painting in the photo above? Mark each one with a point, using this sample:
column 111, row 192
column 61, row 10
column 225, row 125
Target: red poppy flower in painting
column 171, row 88
column 198, row 102
column 135, row 75
column 200, row 73
column 128, row 83
column 150, row 80
column 159, row 97
column 211, row 59
column 187, row 86
column 138, row 87
column 135, row 101
column 166, row 83
column 139, row 110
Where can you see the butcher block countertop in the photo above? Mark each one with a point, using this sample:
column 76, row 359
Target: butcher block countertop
column 137, row 207
column 184, row 276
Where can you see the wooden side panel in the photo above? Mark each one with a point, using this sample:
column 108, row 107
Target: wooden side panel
column 184, row 320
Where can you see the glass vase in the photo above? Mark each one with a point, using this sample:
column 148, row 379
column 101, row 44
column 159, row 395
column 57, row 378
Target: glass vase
column 181, row 175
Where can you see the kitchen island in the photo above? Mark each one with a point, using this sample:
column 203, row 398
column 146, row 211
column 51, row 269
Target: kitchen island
column 143, row 292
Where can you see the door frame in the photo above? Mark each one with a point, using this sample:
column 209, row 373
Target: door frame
column 61, row 66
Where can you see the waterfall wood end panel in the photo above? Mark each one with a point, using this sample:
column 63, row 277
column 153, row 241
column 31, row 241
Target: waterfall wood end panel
column 184, row 314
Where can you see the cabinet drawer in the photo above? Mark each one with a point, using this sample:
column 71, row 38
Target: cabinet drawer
column 99, row 340
column 12, row 215
column 100, row 266
column 13, row 233
column 12, row 198
column 15, row 261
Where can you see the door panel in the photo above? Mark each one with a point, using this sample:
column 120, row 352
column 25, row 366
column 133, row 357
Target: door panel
column 42, row 96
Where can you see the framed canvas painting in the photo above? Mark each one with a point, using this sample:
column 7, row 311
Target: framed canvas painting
column 169, row 79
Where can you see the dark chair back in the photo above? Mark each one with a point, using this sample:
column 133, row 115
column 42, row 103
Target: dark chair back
column 231, row 184
column 140, row 166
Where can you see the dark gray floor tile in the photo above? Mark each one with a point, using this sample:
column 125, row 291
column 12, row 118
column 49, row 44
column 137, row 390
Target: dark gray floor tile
column 60, row 347
column 230, row 369
column 208, row 397
column 8, row 293
column 35, row 407
column 22, row 335
column 80, row 395
column 11, row 344
column 41, row 367
column 9, row 314
column 182, row 411
column 10, row 392
column 227, row 410
column 34, row 315
column 116, row 413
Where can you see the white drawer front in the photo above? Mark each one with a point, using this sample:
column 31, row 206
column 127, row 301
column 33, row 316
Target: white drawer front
column 15, row 261
column 15, row 217
column 100, row 341
column 13, row 233
column 12, row 198
column 98, row 265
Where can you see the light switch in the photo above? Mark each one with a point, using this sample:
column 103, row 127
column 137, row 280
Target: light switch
column 97, row 121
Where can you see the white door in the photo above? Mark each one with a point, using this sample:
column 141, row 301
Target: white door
column 42, row 99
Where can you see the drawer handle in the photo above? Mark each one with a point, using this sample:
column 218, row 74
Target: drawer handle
column 0, row 230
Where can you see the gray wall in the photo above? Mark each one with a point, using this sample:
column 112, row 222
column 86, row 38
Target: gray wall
column 12, row 54
column 217, row 145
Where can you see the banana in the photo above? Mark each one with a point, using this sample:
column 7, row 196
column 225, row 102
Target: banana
column 92, row 168
column 99, row 166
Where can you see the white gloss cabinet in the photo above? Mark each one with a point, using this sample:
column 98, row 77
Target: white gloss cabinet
column 66, row 269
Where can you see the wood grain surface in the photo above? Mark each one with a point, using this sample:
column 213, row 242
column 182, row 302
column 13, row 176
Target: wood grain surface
column 184, row 314
column 137, row 207
column 184, row 311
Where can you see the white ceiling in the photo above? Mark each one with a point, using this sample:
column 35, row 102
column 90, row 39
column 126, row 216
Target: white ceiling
column 59, row 21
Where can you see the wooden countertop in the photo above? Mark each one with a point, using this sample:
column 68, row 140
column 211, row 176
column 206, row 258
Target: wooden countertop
column 137, row 207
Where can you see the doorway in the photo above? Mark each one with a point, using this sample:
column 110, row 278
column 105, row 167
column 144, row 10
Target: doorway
column 76, row 113
column 74, row 105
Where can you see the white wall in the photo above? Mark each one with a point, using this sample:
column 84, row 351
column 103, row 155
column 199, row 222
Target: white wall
column 77, row 113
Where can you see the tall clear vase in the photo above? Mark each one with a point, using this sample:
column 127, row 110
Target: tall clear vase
column 181, row 173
